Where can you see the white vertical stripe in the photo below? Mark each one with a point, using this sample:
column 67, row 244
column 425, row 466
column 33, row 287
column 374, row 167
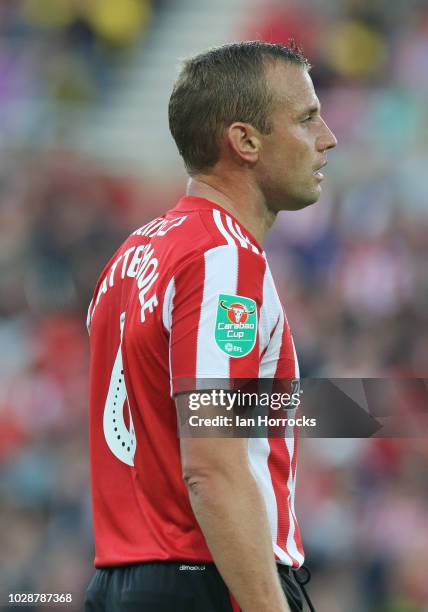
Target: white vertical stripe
column 221, row 276
column 221, row 228
column 296, row 361
column 88, row 318
column 294, row 551
column 258, row 448
column 245, row 237
column 269, row 362
column 258, row 452
column 272, row 311
column 241, row 239
column 168, row 301
column 291, row 542
column 282, row 555
column 269, row 312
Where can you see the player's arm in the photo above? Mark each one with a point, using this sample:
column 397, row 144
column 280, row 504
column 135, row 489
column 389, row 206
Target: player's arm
column 232, row 514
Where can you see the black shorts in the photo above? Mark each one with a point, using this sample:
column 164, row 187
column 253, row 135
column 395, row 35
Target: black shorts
column 170, row 587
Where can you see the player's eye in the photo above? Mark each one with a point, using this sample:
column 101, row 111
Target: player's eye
column 313, row 117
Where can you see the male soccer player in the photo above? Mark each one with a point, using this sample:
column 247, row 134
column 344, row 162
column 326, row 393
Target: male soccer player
column 203, row 524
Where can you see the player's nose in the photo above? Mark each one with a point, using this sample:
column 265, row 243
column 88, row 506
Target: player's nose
column 327, row 139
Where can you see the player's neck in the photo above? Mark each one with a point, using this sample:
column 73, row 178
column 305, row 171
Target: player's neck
column 241, row 201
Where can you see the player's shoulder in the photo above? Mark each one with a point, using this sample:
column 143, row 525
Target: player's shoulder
column 225, row 230
column 205, row 226
column 197, row 229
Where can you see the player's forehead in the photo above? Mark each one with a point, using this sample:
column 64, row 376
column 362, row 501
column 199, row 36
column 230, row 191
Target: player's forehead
column 292, row 88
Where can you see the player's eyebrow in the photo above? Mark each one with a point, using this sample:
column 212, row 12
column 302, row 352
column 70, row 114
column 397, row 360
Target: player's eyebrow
column 312, row 110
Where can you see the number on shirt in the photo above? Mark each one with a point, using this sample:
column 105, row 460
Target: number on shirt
column 120, row 439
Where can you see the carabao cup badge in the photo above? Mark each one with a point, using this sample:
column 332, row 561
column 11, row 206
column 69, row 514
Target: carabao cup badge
column 236, row 325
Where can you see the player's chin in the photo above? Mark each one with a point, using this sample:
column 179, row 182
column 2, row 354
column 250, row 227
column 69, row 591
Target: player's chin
column 308, row 198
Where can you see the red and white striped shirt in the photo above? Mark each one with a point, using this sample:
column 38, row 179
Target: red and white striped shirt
column 152, row 326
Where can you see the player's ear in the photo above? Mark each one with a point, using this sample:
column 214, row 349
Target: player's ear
column 244, row 142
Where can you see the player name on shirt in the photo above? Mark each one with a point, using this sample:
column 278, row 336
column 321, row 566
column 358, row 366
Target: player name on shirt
column 142, row 265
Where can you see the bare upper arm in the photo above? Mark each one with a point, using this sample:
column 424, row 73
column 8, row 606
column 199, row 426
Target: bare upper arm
column 207, row 450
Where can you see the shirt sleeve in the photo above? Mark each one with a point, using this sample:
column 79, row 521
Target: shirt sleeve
column 214, row 303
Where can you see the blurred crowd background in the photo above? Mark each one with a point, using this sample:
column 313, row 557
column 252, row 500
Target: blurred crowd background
column 85, row 157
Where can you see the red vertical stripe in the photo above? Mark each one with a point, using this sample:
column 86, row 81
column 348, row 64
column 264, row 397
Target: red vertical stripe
column 279, row 468
column 251, row 271
column 279, row 459
column 234, row 603
column 297, row 535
